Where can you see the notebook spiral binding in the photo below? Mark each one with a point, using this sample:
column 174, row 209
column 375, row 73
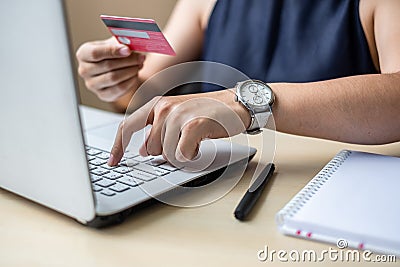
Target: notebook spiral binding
column 312, row 187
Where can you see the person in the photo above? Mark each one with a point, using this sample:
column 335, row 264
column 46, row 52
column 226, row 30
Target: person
column 333, row 66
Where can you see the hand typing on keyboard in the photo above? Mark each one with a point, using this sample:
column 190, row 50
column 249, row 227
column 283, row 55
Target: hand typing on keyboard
column 180, row 123
column 133, row 171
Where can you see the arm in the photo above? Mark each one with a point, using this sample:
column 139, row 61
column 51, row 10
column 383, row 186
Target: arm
column 359, row 109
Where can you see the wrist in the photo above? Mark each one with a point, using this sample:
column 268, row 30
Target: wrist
column 243, row 113
column 228, row 97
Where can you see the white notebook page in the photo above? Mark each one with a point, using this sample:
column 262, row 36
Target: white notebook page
column 361, row 201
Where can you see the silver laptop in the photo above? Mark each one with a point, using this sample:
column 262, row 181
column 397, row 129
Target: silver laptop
column 55, row 155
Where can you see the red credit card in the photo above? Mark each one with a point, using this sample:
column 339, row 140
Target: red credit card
column 142, row 35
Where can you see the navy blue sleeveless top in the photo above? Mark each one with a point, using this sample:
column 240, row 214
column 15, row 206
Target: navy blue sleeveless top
column 288, row 40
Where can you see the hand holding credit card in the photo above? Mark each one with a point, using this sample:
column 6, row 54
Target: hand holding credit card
column 141, row 35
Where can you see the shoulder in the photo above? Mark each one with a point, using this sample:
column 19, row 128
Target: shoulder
column 195, row 9
column 381, row 5
column 369, row 9
column 201, row 10
column 381, row 23
column 207, row 9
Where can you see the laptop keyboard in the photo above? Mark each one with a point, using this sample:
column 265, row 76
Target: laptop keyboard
column 133, row 171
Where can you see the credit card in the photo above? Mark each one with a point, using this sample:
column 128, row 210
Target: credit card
column 142, row 35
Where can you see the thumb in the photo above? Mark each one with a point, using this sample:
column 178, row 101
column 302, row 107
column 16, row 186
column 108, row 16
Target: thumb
column 114, row 50
column 109, row 51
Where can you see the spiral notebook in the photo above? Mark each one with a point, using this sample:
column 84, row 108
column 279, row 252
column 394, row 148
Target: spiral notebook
column 353, row 201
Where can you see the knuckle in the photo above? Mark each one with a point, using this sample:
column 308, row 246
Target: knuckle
column 102, row 95
column 107, row 65
column 90, row 85
column 194, row 124
column 83, row 71
column 80, row 52
column 111, row 51
column 121, row 88
column 112, row 76
column 94, row 54
column 105, row 95
column 164, row 105
column 156, row 99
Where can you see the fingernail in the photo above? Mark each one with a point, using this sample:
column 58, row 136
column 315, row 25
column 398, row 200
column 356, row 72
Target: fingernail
column 141, row 58
column 124, row 51
column 111, row 160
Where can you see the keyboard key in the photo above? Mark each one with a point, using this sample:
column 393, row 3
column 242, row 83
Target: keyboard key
column 122, row 170
column 112, row 175
column 97, row 188
column 98, row 162
column 93, row 152
column 168, row 167
column 130, row 181
column 156, row 161
column 90, row 157
column 143, row 159
column 119, row 187
column 95, row 178
column 151, row 169
column 128, row 162
column 105, row 183
column 103, row 155
column 108, row 193
column 92, row 167
column 105, row 166
column 99, row 171
column 142, row 175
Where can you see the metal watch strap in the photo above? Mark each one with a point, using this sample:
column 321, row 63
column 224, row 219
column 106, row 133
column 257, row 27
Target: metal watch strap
column 256, row 120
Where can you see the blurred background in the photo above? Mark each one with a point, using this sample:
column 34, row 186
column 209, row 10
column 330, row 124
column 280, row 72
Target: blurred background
column 85, row 25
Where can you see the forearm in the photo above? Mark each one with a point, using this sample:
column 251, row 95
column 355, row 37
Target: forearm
column 360, row 109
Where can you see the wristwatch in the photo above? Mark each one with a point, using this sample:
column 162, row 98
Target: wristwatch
column 258, row 98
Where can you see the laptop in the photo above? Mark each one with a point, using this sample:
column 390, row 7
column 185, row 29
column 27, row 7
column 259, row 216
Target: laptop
column 54, row 151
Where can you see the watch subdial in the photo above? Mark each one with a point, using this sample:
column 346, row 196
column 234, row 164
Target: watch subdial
column 253, row 88
column 260, row 94
column 258, row 100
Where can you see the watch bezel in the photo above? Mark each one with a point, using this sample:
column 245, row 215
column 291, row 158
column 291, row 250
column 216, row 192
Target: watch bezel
column 257, row 107
column 254, row 127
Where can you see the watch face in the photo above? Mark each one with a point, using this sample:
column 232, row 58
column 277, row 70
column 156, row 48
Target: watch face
column 256, row 93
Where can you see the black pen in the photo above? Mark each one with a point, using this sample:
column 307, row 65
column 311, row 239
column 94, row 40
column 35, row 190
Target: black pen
column 253, row 193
